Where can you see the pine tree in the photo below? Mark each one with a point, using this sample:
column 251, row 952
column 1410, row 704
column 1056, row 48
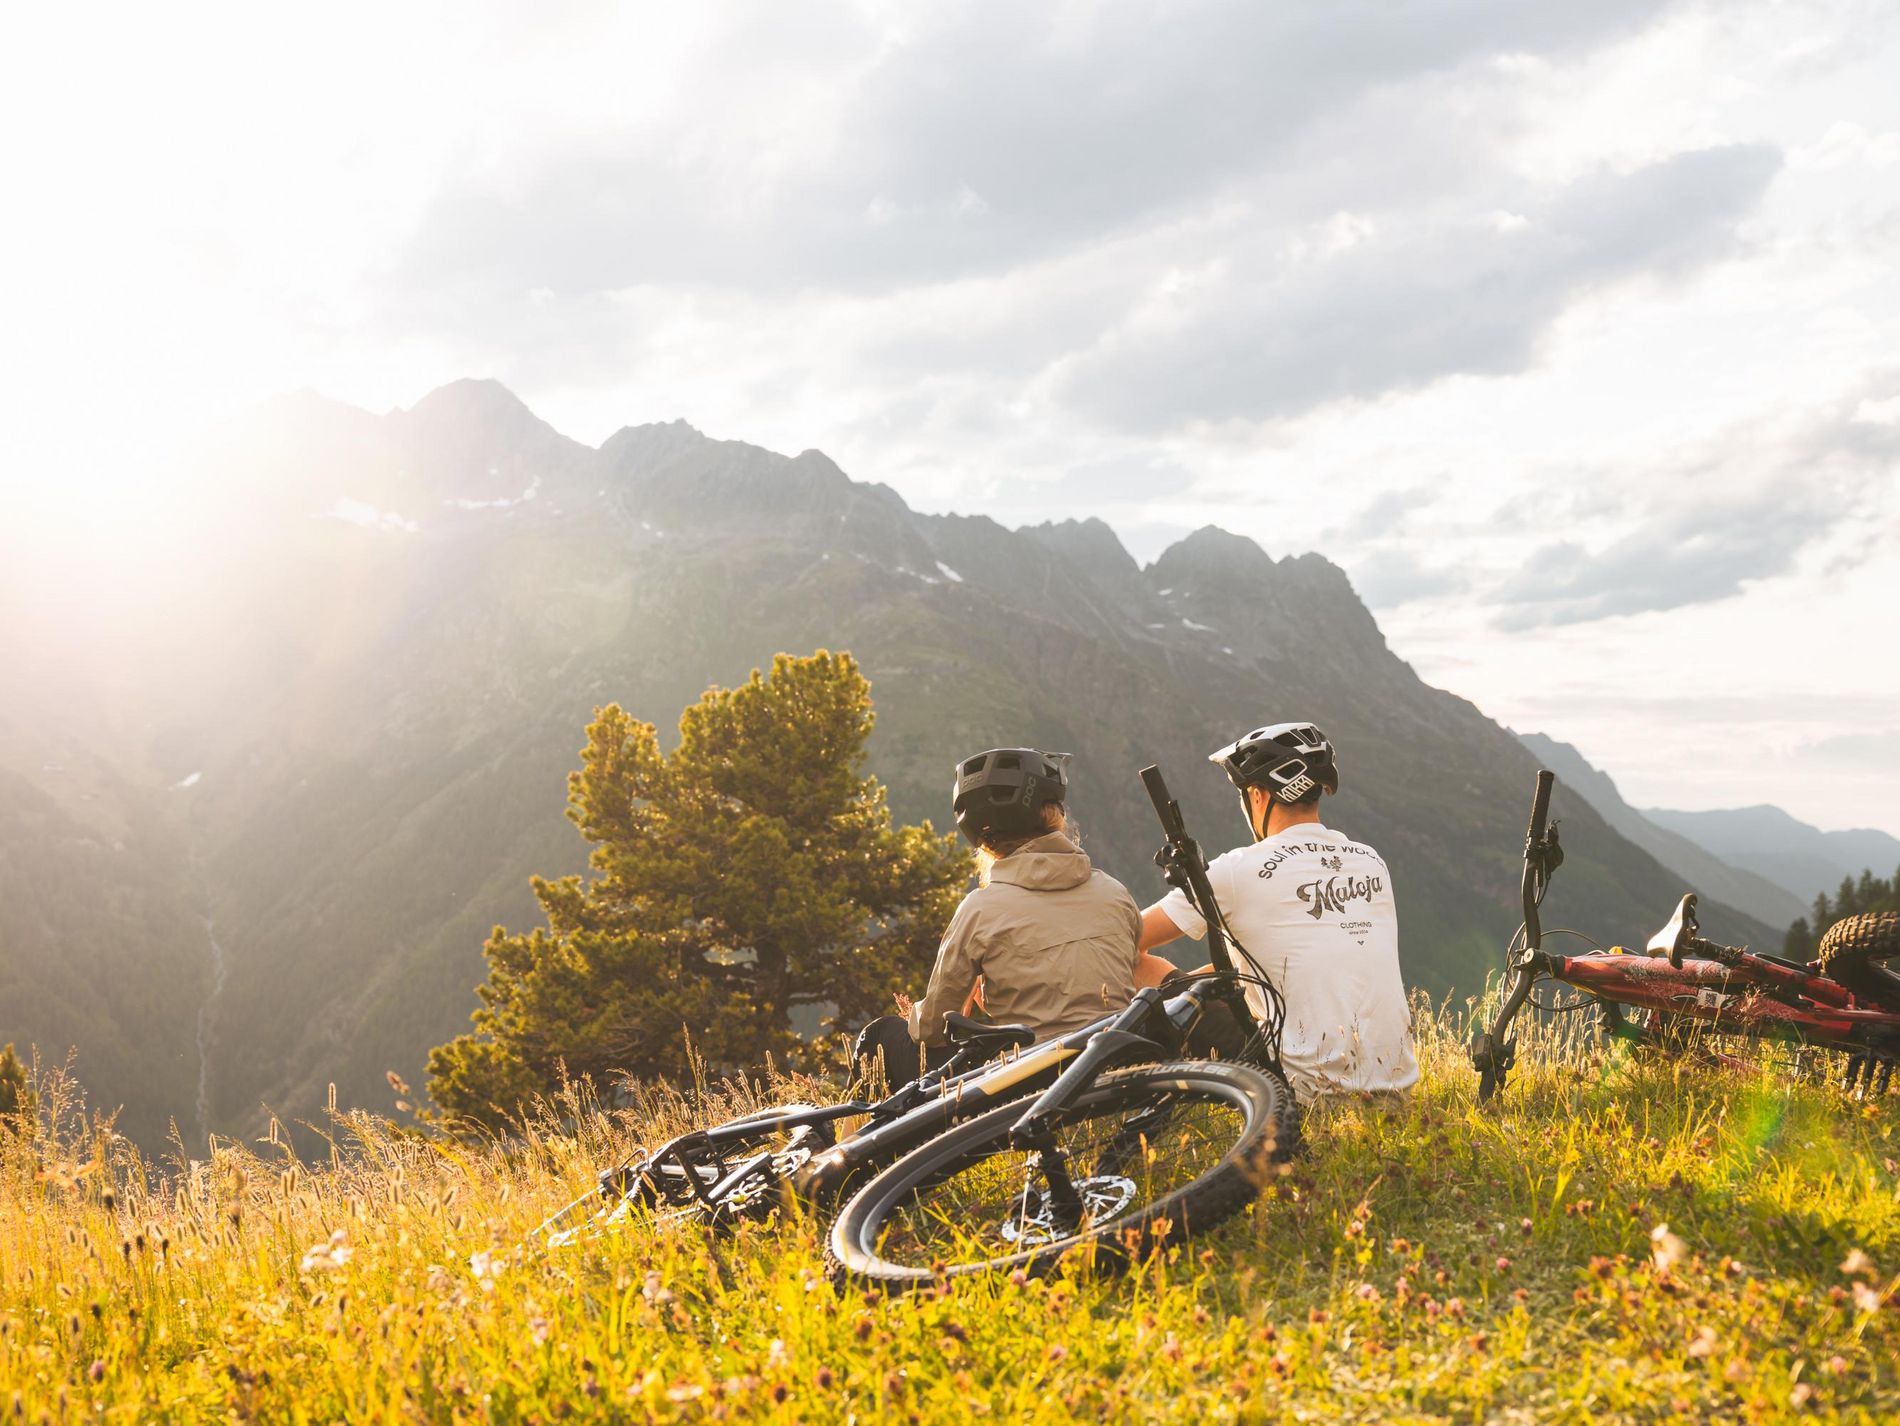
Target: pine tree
column 15, row 1097
column 750, row 874
column 1798, row 945
column 1823, row 917
column 1846, row 900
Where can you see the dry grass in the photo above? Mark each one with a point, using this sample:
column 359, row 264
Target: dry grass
column 1431, row 1261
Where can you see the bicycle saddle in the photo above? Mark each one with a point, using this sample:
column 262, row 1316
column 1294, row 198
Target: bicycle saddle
column 1680, row 931
column 981, row 1035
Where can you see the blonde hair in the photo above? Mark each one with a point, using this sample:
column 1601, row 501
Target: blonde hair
column 1055, row 818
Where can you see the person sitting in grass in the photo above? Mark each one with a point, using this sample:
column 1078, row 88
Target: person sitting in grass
column 1046, row 940
column 1313, row 910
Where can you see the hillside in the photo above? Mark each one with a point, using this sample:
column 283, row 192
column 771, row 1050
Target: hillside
column 1699, row 870
column 1783, row 849
column 1637, row 1242
column 360, row 698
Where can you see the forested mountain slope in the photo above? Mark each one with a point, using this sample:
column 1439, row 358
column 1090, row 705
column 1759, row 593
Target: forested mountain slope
column 395, row 628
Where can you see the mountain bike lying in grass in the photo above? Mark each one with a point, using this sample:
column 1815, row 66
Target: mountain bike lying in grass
column 1847, row 1000
column 1122, row 1143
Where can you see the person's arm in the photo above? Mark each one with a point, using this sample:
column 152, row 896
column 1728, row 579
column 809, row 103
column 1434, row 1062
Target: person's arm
column 1158, row 927
column 1169, row 919
column 953, row 980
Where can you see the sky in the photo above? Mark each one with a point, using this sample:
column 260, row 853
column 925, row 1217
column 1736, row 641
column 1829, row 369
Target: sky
column 1566, row 329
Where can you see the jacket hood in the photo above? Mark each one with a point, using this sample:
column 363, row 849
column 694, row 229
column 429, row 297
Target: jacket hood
column 1049, row 863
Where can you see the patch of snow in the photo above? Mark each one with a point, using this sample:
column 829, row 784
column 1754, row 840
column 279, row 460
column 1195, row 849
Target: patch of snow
column 1165, row 592
column 533, row 490
column 184, row 782
column 1157, row 626
column 1224, row 649
column 949, row 573
column 1201, row 628
column 369, row 517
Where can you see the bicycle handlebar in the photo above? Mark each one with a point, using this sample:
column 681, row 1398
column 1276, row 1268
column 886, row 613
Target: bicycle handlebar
column 1541, row 857
column 1184, row 866
column 1540, row 804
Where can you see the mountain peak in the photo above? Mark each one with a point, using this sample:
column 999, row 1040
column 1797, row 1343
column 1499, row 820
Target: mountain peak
column 1094, row 547
column 472, row 396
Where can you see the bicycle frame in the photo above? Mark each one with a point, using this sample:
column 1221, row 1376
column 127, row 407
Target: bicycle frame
column 1149, row 1028
column 1682, row 978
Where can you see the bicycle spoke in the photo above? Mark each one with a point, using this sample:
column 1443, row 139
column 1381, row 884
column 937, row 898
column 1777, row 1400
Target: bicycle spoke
column 1092, row 1170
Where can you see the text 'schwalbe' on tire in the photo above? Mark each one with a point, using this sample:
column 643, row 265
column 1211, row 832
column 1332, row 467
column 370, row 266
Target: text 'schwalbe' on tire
column 1860, row 943
column 1154, row 1154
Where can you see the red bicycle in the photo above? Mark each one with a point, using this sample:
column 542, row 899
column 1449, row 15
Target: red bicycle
column 1846, row 1000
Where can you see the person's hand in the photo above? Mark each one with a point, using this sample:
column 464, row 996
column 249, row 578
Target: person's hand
column 903, row 1004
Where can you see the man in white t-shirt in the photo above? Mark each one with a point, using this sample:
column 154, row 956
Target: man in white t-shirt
column 1313, row 909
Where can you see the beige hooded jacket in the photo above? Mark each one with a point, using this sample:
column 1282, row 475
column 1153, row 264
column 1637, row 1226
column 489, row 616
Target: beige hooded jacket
column 1053, row 938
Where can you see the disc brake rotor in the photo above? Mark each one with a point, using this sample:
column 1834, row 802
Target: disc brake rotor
column 1103, row 1196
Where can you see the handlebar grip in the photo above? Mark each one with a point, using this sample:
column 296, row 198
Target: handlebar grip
column 1157, row 787
column 1540, row 805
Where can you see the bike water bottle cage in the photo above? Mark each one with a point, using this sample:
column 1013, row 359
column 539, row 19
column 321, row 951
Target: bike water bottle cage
column 1000, row 794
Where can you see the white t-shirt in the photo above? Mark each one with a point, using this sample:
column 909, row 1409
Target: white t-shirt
column 1315, row 910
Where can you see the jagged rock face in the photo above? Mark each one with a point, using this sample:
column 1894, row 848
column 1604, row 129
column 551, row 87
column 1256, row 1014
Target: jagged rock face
column 386, row 714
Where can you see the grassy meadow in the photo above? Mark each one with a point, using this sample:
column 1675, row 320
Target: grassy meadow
column 1618, row 1240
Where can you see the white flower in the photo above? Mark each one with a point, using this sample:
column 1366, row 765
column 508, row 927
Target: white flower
column 1857, row 1264
column 327, row 1256
column 1665, row 1248
column 486, row 1266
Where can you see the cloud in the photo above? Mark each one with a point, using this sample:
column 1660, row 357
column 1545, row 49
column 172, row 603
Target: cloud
column 1395, row 576
column 811, row 148
column 1742, row 509
column 1872, row 751
column 1357, row 315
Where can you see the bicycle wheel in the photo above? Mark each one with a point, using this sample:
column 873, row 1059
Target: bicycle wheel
column 1860, row 953
column 1148, row 1156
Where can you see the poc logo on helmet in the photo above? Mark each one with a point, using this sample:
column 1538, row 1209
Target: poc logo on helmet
column 1293, row 785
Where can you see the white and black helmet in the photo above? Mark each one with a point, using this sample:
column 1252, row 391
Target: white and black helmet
column 1287, row 760
column 1000, row 794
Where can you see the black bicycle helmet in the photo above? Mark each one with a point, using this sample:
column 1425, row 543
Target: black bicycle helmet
column 999, row 795
column 1288, row 760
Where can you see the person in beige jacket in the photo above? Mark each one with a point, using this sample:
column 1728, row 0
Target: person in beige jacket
column 1046, row 940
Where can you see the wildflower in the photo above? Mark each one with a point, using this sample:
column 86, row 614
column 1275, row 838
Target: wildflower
column 1665, row 1248
column 486, row 1266
column 396, row 1083
column 1834, row 1365
column 538, row 1329
column 824, row 1378
column 1455, row 1307
column 1866, row 1299
column 1057, row 1352
column 1367, row 1292
column 1857, row 1264
column 1801, row 1395
column 1521, row 1294
column 776, row 1355
column 96, row 1373
column 1504, row 1265
column 1703, row 1343
column 325, row 1257
column 656, row 1291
